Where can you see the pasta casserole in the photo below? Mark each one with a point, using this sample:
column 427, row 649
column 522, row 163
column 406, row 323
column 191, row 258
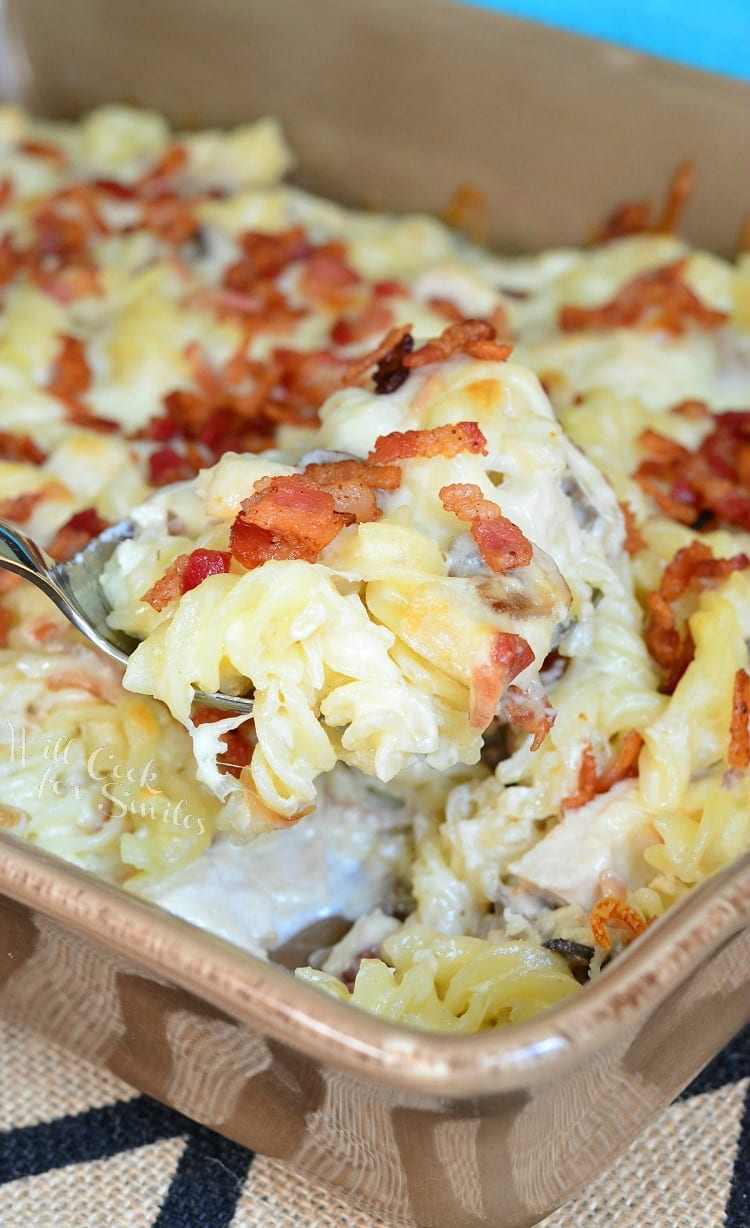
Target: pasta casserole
column 473, row 532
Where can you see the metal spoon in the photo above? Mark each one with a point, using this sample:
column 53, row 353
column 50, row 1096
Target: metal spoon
column 75, row 589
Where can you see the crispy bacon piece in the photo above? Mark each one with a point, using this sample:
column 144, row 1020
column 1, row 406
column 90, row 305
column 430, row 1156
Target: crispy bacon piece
column 611, row 909
column 171, row 163
column 265, row 256
column 326, row 277
column 166, row 466
column 20, row 507
column 625, row 765
column 501, row 543
column 203, row 563
column 660, row 298
column 288, row 517
column 527, row 712
column 169, row 586
column 703, row 487
column 587, row 779
column 473, row 337
column 633, row 537
column 388, row 358
column 447, row 441
column 591, row 783
column 185, row 573
column 20, row 448
column 76, row 533
column 353, row 484
column 71, row 374
column 238, row 407
column 43, row 149
column 739, row 729
column 6, row 622
column 378, row 477
column 679, row 192
column 467, row 211
column 374, row 319
column 634, row 217
column 509, row 656
column 692, row 567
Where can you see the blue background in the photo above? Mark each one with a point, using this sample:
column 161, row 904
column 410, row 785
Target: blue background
column 712, row 34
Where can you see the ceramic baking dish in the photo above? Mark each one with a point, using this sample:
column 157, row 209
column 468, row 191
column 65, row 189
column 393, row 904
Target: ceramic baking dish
column 396, row 105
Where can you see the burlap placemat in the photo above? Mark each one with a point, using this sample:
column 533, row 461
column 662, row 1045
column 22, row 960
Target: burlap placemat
column 79, row 1149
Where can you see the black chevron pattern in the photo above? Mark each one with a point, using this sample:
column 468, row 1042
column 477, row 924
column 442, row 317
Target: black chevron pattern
column 211, row 1172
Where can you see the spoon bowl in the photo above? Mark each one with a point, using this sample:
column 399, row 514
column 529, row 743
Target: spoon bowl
column 76, row 591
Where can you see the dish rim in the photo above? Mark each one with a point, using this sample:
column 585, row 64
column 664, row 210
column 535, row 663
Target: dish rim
column 267, row 996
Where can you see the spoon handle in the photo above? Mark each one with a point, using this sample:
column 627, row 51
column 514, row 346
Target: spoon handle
column 22, row 556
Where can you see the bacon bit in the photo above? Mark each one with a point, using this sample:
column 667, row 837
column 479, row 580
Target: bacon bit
column 447, row 441
column 6, row 622
column 265, row 256
column 678, row 194
column 70, row 285
column 186, row 573
column 170, row 218
column 526, row 712
column 509, row 656
column 239, row 407
column 113, row 187
column 353, row 484
column 634, row 542
column 693, row 566
column 20, row 448
column 611, row 909
column 326, row 278
column 739, row 730
column 169, row 586
column 691, row 409
column 171, row 163
column 659, row 298
column 467, row 211
column 473, row 337
column 379, row 477
column 501, row 543
column 591, row 783
column 634, row 217
column 286, row 518
column 390, row 288
column 388, row 357
column 204, row 563
column 6, row 191
column 43, row 149
column 702, row 487
column 76, row 533
column 166, row 466
column 587, row 780
column 445, row 307
column 375, row 319
column 20, row 507
column 71, row 374
column 624, row 766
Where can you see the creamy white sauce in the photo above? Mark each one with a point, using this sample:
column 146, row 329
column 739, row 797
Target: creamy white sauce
column 339, row 861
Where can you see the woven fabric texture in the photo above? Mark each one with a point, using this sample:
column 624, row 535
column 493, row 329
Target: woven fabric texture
column 79, row 1149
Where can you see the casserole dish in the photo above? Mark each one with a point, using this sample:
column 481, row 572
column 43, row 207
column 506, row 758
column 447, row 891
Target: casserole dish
column 411, row 1127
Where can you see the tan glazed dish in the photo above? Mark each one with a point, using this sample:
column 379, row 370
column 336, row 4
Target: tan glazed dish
column 418, row 1127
